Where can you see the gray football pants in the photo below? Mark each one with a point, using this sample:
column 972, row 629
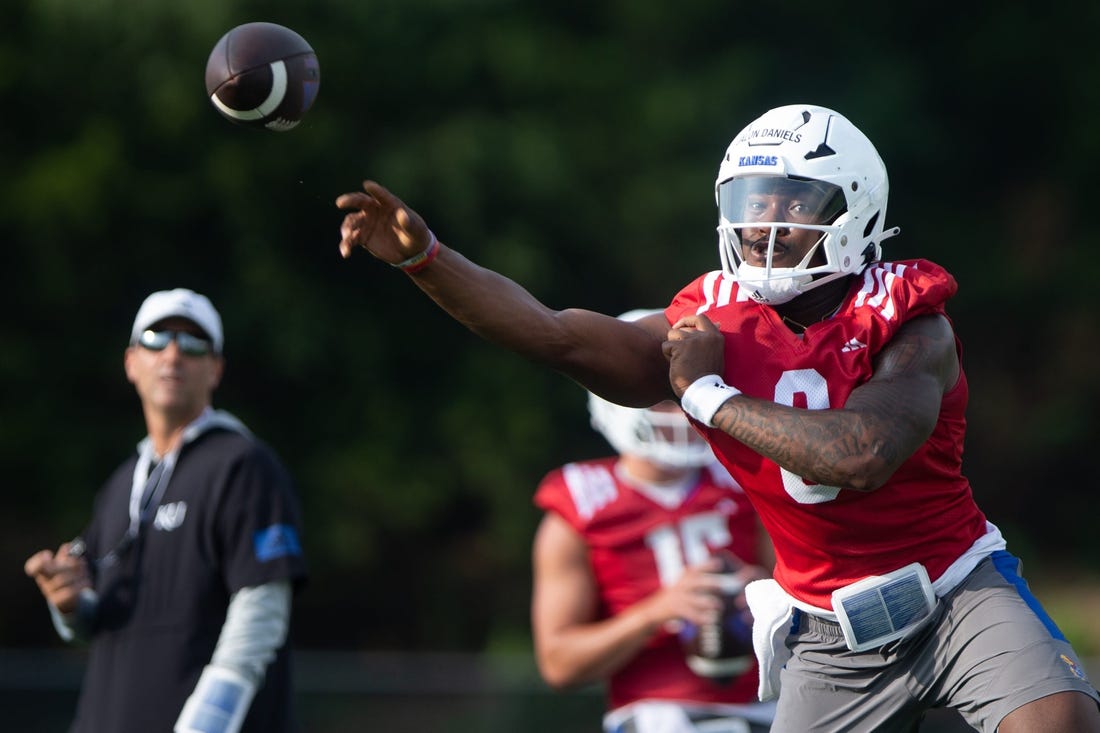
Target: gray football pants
column 988, row 649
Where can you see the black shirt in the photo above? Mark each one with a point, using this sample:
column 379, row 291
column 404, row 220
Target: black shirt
column 228, row 519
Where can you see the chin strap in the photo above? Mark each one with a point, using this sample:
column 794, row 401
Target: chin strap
column 869, row 250
column 887, row 233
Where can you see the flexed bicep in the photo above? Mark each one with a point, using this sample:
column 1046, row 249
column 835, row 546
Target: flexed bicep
column 911, row 375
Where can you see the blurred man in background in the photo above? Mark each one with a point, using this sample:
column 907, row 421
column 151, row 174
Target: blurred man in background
column 182, row 582
column 625, row 574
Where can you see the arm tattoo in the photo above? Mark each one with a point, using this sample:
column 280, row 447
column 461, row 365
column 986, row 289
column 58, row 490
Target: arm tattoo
column 881, row 425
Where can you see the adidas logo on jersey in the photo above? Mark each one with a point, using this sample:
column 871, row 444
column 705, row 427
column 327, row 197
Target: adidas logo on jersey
column 853, row 345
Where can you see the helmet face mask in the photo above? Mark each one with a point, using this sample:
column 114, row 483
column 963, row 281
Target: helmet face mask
column 800, row 167
column 663, row 436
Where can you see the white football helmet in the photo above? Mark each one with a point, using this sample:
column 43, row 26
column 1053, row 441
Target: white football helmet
column 836, row 173
column 661, row 433
column 663, row 436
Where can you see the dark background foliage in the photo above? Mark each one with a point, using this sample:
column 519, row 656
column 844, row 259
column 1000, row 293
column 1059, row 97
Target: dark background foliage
column 570, row 145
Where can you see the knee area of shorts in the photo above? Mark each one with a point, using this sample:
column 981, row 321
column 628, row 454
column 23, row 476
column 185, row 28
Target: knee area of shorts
column 1034, row 673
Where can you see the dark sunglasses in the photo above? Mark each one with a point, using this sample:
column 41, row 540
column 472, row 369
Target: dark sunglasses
column 188, row 343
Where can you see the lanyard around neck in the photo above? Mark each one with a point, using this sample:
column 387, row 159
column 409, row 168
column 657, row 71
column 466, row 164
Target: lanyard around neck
column 148, row 487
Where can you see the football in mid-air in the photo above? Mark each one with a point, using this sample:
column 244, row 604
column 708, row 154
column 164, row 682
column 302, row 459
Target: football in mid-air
column 263, row 75
column 722, row 650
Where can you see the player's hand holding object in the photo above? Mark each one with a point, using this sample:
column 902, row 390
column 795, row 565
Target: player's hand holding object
column 62, row 577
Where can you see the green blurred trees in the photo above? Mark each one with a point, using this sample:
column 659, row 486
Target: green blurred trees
column 570, row 145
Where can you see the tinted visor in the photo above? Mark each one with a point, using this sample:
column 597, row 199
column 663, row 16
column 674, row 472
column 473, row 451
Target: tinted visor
column 779, row 199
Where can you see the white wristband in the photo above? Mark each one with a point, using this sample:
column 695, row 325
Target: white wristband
column 219, row 703
column 705, row 395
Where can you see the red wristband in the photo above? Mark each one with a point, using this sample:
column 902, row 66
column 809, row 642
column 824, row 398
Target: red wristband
column 418, row 262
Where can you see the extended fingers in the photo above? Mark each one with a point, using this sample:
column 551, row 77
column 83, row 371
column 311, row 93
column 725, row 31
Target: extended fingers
column 373, row 194
column 374, row 197
column 382, row 195
column 358, row 226
column 356, row 200
column 366, row 210
column 349, row 233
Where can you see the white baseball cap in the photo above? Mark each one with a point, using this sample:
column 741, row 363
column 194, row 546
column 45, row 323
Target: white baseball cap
column 179, row 303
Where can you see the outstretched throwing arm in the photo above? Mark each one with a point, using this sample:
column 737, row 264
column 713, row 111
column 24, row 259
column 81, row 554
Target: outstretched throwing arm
column 620, row 361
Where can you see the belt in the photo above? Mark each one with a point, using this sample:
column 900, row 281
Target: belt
column 819, row 625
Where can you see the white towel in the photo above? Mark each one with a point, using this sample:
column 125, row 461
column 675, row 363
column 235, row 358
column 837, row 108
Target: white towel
column 771, row 619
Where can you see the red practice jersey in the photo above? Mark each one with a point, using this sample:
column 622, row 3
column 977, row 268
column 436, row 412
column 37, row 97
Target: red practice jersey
column 827, row 537
column 636, row 545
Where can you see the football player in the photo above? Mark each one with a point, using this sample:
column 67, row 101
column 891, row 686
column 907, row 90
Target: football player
column 626, row 590
column 829, row 383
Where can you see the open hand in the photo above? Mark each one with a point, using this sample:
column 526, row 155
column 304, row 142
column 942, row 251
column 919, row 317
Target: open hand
column 382, row 224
